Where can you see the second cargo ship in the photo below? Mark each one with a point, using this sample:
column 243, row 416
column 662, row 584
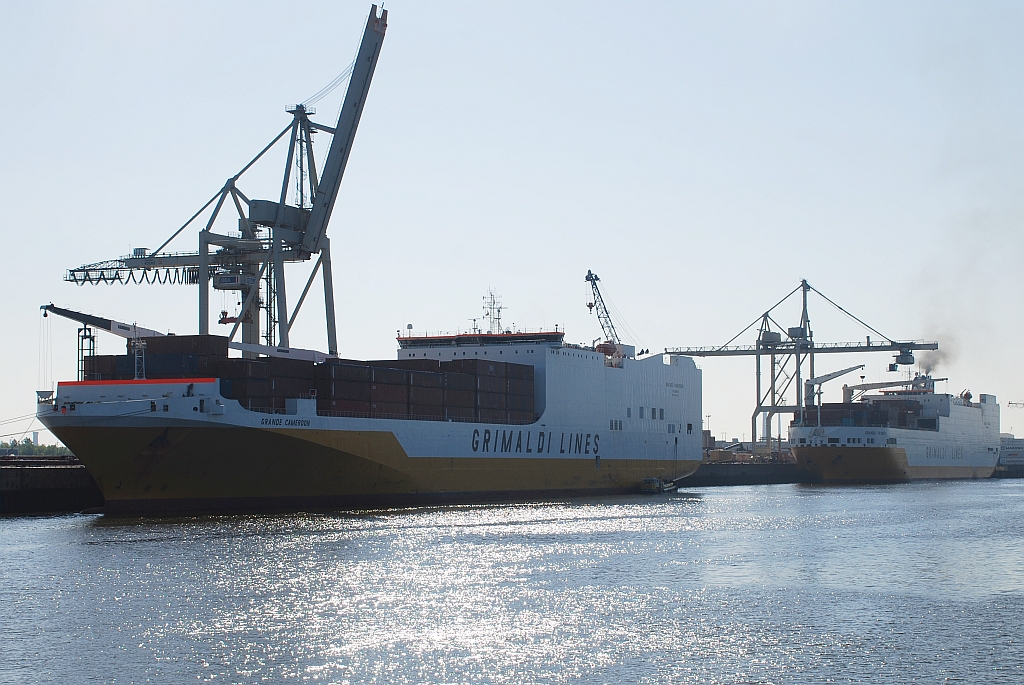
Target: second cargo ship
column 899, row 435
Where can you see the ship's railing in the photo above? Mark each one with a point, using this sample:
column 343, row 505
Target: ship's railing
column 574, row 346
column 459, row 332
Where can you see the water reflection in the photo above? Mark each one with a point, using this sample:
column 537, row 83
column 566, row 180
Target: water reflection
column 749, row 584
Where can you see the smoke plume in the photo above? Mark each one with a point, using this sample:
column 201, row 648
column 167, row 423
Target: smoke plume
column 932, row 360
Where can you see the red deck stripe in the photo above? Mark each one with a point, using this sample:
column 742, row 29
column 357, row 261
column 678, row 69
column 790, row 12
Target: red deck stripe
column 141, row 381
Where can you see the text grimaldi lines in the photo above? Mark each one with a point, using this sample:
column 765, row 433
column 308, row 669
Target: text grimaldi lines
column 501, row 440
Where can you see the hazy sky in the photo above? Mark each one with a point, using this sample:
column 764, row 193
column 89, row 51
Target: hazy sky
column 700, row 157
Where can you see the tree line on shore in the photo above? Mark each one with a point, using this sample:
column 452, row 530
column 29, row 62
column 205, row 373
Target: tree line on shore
column 25, row 448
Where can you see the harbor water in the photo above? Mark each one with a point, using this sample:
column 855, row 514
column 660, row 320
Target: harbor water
column 920, row 582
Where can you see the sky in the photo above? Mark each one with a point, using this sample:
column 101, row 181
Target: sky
column 701, row 158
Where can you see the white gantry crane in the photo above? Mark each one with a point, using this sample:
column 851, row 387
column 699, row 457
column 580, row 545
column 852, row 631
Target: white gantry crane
column 269, row 233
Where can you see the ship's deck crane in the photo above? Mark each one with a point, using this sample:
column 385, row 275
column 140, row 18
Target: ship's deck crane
column 272, row 233
column 612, row 347
column 124, row 330
column 134, row 332
column 812, row 383
column 86, row 339
column 916, row 383
column 607, row 326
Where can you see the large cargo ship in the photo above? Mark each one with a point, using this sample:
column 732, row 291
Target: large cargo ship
column 899, row 435
column 178, row 425
column 460, row 418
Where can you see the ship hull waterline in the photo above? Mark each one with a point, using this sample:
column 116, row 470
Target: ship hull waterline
column 877, row 465
column 178, row 469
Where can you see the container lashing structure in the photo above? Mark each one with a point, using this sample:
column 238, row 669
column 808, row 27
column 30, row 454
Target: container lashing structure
column 270, row 233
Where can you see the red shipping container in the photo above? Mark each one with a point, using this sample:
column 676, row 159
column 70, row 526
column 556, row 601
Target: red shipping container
column 388, row 376
column 349, row 406
column 408, row 364
column 349, row 372
column 426, row 410
column 520, row 387
column 423, row 379
column 460, row 398
column 392, row 394
column 459, row 381
column 389, row 409
column 460, row 413
column 489, row 400
column 477, row 367
column 519, row 371
column 490, row 384
column 434, row 396
column 495, row 415
column 519, row 403
column 290, row 387
column 350, row 390
column 243, row 368
column 290, row 368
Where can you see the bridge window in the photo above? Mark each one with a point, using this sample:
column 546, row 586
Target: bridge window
column 689, row 429
column 661, row 414
column 629, row 412
column 641, row 414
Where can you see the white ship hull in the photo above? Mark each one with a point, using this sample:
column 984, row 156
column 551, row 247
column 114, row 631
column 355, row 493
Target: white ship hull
column 159, row 446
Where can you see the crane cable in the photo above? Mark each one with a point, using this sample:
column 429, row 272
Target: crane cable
column 326, row 90
column 873, row 330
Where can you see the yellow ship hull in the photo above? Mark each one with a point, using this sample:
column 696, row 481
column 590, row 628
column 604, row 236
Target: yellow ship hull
column 876, row 465
column 173, row 469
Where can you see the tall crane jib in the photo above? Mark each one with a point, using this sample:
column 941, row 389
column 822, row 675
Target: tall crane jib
column 270, row 233
column 607, row 326
column 612, row 347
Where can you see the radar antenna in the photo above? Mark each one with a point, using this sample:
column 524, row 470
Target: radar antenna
column 610, row 334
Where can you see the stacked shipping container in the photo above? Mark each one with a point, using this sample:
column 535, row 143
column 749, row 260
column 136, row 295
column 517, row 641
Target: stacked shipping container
column 460, row 390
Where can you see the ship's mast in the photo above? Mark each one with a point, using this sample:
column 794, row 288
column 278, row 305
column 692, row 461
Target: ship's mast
column 492, row 312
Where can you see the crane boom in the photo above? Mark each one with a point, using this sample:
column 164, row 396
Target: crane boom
column 810, row 383
column 607, row 327
column 345, row 131
column 918, row 383
column 124, row 330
